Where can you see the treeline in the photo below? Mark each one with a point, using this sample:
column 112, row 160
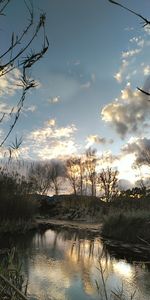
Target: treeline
column 82, row 175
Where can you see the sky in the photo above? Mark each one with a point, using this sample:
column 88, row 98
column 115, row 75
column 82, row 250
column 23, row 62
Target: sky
column 87, row 82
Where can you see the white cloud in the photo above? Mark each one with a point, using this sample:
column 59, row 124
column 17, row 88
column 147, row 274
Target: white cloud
column 51, row 122
column 10, row 83
column 139, row 41
column 125, row 168
column 119, row 75
column 54, row 100
column 146, row 70
column 56, row 149
column 95, row 139
column 127, row 59
column 31, row 108
column 52, row 141
column 5, row 108
column 129, row 113
column 130, row 53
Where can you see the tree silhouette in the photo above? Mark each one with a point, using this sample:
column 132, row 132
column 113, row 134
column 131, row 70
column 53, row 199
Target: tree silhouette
column 108, row 181
column 90, row 169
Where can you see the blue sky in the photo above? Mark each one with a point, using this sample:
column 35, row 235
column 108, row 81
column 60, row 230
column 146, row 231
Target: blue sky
column 98, row 53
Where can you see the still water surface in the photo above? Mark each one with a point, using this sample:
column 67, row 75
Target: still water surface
column 65, row 266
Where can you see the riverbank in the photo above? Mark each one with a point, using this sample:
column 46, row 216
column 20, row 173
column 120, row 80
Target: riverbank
column 17, row 227
column 133, row 227
column 139, row 251
column 121, row 248
column 14, row 227
column 92, row 228
column 129, row 227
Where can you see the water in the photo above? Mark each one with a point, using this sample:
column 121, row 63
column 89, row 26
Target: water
column 63, row 265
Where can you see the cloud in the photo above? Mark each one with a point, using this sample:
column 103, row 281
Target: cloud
column 8, row 110
column 5, row 108
column 54, row 100
column 86, row 85
column 129, row 113
column 51, row 122
column 50, row 131
column 130, row 53
column 56, row 149
column 10, row 83
column 119, row 75
column 31, row 108
column 52, row 141
column 127, row 58
column 95, row 139
column 139, row 41
column 140, row 147
column 129, row 28
column 146, row 70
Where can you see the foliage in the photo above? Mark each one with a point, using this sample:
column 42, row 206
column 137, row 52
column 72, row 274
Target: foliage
column 131, row 226
column 15, row 199
column 12, row 282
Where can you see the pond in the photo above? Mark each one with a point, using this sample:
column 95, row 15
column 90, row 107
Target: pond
column 65, row 265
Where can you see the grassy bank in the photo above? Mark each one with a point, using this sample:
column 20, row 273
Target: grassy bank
column 17, row 226
column 126, row 226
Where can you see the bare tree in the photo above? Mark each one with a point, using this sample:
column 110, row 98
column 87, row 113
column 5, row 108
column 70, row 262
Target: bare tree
column 108, row 181
column 81, row 184
column 46, row 177
column 72, row 173
column 39, row 176
column 90, row 169
column 56, row 175
column 18, row 56
column 76, row 174
column 144, row 20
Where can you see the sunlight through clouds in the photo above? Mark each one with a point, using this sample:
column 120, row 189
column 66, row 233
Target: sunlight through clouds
column 52, row 141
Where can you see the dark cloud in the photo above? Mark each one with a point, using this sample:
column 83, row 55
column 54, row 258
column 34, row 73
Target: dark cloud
column 141, row 148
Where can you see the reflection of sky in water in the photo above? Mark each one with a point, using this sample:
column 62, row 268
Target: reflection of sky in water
column 65, row 267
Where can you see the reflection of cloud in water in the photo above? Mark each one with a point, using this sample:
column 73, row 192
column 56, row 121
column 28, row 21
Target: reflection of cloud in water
column 49, row 276
column 63, row 264
column 124, row 269
column 77, row 261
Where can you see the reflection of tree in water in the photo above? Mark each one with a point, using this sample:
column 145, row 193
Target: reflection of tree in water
column 129, row 252
column 71, row 254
